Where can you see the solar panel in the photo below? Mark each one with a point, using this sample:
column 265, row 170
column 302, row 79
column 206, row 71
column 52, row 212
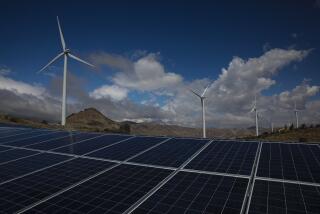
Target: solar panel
column 14, row 154
column 111, row 192
column 14, row 132
column 12, row 138
column 226, row 157
column 27, row 190
column 290, row 161
column 171, row 153
column 55, row 143
column 197, row 193
column 127, row 149
column 41, row 138
column 2, row 148
column 91, row 145
column 26, row 165
column 280, row 197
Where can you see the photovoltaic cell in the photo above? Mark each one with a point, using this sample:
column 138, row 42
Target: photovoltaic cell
column 38, row 139
column 27, row 190
column 55, row 143
column 90, row 145
column 128, row 148
column 278, row 197
column 290, row 161
column 111, row 192
column 2, row 148
column 26, row 165
column 14, row 154
column 171, row 153
column 226, row 157
column 22, row 136
column 197, row 193
column 14, row 132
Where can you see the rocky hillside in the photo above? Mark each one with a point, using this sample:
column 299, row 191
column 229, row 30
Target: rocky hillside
column 91, row 119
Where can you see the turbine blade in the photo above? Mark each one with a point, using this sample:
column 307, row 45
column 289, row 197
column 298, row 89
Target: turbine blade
column 61, row 35
column 80, row 60
column 52, row 61
column 195, row 93
column 205, row 90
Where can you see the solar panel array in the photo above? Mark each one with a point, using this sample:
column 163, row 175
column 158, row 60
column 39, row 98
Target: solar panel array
column 52, row 171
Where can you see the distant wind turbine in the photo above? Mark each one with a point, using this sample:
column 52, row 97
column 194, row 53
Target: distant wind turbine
column 202, row 97
column 65, row 53
column 254, row 109
column 296, row 114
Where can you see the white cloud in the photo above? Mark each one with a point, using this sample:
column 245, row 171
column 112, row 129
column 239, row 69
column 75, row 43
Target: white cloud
column 109, row 91
column 19, row 87
column 144, row 74
column 4, row 71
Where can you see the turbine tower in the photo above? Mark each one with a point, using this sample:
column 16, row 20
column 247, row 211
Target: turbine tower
column 254, row 109
column 65, row 53
column 296, row 114
column 202, row 97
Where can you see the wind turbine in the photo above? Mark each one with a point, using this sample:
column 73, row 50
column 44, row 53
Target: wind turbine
column 296, row 114
column 65, row 53
column 202, row 97
column 254, row 109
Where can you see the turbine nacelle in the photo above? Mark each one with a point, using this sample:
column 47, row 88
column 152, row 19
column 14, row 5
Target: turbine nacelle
column 66, row 51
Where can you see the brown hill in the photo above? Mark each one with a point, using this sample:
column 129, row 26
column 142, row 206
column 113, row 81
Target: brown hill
column 91, row 119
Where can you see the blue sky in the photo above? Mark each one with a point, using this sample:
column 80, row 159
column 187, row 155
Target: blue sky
column 192, row 39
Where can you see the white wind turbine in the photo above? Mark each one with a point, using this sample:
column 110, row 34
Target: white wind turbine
column 254, row 109
column 202, row 97
column 296, row 114
column 65, row 53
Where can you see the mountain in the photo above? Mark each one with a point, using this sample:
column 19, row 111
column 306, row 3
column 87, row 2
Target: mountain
column 91, row 119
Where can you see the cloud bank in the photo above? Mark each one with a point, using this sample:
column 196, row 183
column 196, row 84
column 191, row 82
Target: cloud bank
column 229, row 97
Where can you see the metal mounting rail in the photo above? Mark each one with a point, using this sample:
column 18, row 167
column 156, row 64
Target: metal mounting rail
column 248, row 195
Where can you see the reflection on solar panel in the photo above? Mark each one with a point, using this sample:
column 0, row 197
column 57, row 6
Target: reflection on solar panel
column 226, row 157
column 41, row 138
column 197, row 193
column 290, row 161
column 127, row 148
column 172, row 153
column 110, row 192
column 108, row 173
column 14, row 154
column 279, row 197
column 72, row 138
column 24, row 191
column 29, row 164
column 91, row 145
